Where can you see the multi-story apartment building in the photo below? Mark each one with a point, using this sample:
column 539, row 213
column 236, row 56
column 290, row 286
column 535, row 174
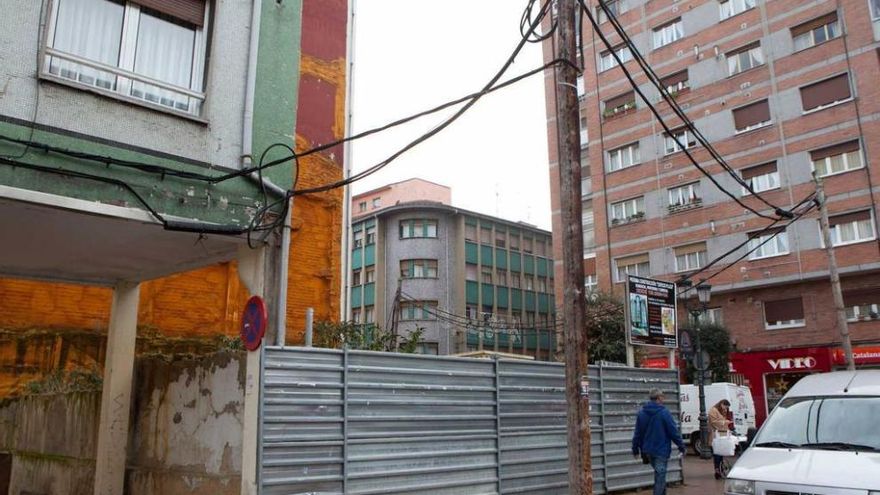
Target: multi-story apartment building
column 782, row 89
column 470, row 281
column 115, row 119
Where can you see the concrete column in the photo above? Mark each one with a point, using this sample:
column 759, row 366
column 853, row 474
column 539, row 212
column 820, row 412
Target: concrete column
column 116, row 396
column 252, row 272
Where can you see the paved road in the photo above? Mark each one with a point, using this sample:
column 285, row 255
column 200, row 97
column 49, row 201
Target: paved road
column 699, row 479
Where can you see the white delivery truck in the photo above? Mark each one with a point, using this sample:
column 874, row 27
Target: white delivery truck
column 741, row 405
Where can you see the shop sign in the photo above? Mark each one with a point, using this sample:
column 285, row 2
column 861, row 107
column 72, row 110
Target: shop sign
column 797, row 363
column 861, row 355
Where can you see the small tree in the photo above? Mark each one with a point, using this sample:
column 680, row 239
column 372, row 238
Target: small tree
column 715, row 340
column 357, row 336
column 606, row 322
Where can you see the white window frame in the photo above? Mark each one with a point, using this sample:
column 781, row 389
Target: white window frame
column 628, row 209
column 630, row 152
column 617, row 7
column 854, row 313
column 835, row 232
column 778, row 246
column 370, row 235
column 642, row 269
column 730, row 8
column 581, row 88
column 668, row 33
column 369, row 275
column 761, row 183
column 833, row 103
column 712, row 316
column 418, row 311
column 845, row 159
column 831, row 33
column 781, row 325
column 377, row 202
column 608, row 62
column 369, row 314
column 755, row 56
column 874, row 6
column 691, row 261
column 124, row 70
column 356, row 315
column 685, row 195
column 671, row 145
column 358, row 239
column 591, row 283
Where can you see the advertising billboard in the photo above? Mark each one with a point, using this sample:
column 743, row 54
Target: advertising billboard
column 650, row 312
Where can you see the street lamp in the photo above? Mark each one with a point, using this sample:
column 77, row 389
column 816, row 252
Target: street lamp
column 697, row 309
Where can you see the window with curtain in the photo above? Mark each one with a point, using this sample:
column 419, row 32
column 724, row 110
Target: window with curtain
column 862, row 304
column 692, row 257
column 730, row 8
column 761, row 178
column 668, row 33
column 764, row 244
column 638, row 265
column 837, row 159
column 816, row 31
column 745, row 58
column 851, row 228
column 152, row 51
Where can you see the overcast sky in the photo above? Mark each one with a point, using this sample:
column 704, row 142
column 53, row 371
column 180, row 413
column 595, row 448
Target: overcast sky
column 411, row 55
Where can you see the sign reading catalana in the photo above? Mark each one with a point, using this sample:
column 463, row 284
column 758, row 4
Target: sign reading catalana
column 650, row 312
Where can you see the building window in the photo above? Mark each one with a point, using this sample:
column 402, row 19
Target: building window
column 362, row 206
column 501, row 277
column 686, row 195
column 486, row 235
column 815, row 32
column 826, row 93
column 785, row 313
column 377, row 202
column 730, row 8
column 418, row 268
column 851, row 228
column 580, row 86
column 470, row 272
column 514, row 241
column 369, row 315
column 689, row 258
column 620, row 104
column 607, row 60
column 745, row 58
column 356, row 315
column 428, row 348
column 875, row 9
column 500, row 238
column 769, row 243
column 668, row 33
column 628, row 210
column 585, row 132
column 470, row 232
column 486, row 275
column 616, row 7
column 837, row 159
column 418, row 228
column 633, row 265
column 358, row 239
column 683, row 136
column 712, row 316
column 418, row 310
column 527, row 245
column 371, row 235
column 530, row 318
column 761, row 178
column 591, row 283
column 752, row 116
column 863, row 304
column 623, row 157
column 529, row 282
column 541, row 246
column 676, row 83
column 154, row 54
column 515, row 280
column 369, row 274
column 356, row 277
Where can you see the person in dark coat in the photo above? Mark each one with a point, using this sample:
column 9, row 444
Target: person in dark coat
column 655, row 432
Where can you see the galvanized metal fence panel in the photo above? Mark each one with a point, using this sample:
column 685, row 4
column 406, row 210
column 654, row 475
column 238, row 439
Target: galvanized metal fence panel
column 364, row 423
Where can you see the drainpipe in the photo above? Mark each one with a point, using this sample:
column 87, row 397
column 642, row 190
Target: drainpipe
column 346, row 167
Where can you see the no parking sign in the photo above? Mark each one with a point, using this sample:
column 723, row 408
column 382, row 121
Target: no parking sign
column 253, row 323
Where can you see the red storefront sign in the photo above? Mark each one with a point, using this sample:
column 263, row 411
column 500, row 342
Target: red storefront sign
column 660, row 363
column 861, row 355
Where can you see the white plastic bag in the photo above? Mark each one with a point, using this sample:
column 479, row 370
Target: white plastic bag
column 724, row 444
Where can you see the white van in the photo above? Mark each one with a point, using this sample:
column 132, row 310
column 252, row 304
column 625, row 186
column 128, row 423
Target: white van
column 823, row 437
column 741, row 405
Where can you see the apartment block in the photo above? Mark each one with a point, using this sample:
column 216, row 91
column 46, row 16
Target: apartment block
column 782, row 89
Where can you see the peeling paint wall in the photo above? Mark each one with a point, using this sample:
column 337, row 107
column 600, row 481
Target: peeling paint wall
column 185, row 437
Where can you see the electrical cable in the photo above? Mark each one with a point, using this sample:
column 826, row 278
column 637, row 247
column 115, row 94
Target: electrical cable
column 465, row 320
column 662, row 122
column 676, row 108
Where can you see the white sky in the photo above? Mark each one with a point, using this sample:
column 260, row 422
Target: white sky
column 412, row 55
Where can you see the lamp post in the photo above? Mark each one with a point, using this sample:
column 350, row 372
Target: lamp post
column 698, row 309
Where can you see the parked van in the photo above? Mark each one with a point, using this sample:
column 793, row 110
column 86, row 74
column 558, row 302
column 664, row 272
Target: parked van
column 823, row 437
column 741, row 406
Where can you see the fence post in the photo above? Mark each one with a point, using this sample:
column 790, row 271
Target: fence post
column 498, row 424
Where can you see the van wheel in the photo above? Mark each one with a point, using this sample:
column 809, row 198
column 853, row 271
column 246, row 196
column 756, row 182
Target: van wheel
column 696, row 443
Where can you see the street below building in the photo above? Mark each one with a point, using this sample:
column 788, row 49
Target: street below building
column 699, row 479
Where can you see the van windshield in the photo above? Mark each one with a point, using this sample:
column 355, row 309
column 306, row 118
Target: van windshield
column 833, row 423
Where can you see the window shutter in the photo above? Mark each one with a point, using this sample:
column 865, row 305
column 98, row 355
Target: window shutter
column 826, row 92
column 837, row 149
column 861, row 297
column 751, row 114
column 675, row 78
column 743, row 49
column 753, row 235
column 619, row 101
column 850, row 217
column 632, row 260
column 784, row 310
column 813, row 24
column 191, row 11
column 590, row 266
column 691, row 248
column 752, row 172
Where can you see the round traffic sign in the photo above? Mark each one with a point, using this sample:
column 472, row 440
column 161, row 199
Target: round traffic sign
column 253, row 323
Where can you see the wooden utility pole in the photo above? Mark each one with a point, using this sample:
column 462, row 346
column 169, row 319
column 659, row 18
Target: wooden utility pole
column 842, row 325
column 580, row 475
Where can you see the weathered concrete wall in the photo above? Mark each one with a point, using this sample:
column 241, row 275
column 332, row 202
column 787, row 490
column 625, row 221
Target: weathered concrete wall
column 185, row 436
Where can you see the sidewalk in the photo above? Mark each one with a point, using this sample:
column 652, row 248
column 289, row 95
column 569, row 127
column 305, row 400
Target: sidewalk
column 699, row 477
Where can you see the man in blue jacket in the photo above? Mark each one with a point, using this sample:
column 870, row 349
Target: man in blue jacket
column 655, row 431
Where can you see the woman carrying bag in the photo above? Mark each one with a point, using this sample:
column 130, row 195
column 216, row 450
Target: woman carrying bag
column 718, row 423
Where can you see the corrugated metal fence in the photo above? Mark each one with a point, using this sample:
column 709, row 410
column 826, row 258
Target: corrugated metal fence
column 358, row 422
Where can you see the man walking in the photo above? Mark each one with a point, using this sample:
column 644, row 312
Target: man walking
column 655, row 431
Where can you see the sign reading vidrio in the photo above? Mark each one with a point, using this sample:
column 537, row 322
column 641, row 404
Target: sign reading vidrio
column 650, row 312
